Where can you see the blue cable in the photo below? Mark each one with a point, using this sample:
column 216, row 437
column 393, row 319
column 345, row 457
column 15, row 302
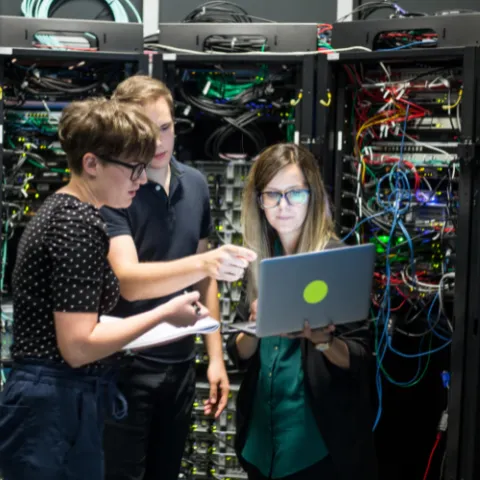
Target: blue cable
column 416, row 355
column 367, row 219
column 408, row 45
column 396, row 204
column 385, row 313
column 417, row 374
column 429, row 314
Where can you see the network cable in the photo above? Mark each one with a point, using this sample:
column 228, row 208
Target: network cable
column 216, row 11
column 46, row 8
column 405, row 200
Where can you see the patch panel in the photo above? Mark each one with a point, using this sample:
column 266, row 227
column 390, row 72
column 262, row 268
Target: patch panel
column 210, row 446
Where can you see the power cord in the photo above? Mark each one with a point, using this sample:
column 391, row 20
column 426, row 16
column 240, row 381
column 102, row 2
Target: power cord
column 218, row 12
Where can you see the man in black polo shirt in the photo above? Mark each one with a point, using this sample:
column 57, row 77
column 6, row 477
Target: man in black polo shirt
column 158, row 248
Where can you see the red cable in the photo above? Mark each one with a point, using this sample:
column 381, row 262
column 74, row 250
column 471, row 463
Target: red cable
column 432, row 453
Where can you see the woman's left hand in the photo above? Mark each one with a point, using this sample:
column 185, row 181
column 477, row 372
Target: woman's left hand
column 317, row 335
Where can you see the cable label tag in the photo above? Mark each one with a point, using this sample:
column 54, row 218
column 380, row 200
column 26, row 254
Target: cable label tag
column 169, row 57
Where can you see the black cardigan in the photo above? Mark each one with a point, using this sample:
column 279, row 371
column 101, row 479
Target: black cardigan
column 340, row 399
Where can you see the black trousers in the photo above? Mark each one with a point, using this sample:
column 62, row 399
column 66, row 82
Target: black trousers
column 149, row 443
column 324, row 470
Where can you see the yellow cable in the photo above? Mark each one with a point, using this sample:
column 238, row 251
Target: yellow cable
column 459, row 99
column 329, row 100
column 294, row 103
column 368, row 124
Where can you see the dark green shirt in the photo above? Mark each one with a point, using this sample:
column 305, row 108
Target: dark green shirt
column 283, row 437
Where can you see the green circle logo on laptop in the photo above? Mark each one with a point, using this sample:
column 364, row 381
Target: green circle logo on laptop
column 315, row 291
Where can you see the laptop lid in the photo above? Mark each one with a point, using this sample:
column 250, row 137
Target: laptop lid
column 331, row 286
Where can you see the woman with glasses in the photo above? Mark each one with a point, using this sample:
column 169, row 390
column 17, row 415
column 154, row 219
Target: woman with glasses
column 52, row 407
column 303, row 410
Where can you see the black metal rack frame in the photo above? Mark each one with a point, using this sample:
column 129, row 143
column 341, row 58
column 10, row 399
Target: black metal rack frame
column 453, row 31
column 164, row 66
column 20, row 32
column 279, row 37
column 324, row 111
column 463, row 439
column 463, row 462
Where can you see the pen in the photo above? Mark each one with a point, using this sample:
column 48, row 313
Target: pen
column 194, row 305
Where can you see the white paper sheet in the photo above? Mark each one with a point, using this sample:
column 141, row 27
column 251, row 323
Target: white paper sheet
column 165, row 332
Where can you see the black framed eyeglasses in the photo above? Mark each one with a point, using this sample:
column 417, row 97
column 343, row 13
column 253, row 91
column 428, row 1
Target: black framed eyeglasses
column 297, row 196
column 136, row 168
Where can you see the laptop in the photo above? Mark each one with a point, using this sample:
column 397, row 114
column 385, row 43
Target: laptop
column 328, row 287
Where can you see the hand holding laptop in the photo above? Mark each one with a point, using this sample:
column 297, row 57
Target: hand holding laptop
column 315, row 335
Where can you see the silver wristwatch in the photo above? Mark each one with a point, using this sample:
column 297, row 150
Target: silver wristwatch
column 323, row 347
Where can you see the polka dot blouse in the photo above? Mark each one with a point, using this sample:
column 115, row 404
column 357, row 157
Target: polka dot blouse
column 61, row 267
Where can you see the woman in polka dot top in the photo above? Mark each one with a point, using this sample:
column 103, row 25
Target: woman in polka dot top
column 52, row 407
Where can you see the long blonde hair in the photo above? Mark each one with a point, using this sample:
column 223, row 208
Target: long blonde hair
column 258, row 235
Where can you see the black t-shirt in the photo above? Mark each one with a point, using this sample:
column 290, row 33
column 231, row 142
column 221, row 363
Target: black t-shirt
column 61, row 266
column 164, row 227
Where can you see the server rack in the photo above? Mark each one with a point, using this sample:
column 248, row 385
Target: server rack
column 463, row 397
column 165, row 65
column 209, row 451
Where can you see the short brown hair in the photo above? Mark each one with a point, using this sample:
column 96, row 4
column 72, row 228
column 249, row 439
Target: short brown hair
column 143, row 89
column 106, row 128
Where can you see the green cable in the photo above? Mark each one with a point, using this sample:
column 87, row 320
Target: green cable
column 36, row 164
column 370, row 171
column 390, row 378
column 222, row 90
column 39, row 165
column 290, row 135
column 325, row 45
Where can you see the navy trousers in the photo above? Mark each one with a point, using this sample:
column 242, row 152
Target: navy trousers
column 51, row 421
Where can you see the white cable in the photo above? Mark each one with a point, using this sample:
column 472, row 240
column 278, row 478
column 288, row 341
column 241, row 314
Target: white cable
column 431, row 147
column 424, row 179
column 459, row 121
column 323, row 52
column 440, row 297
column 358, row 200
column 419, row 286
